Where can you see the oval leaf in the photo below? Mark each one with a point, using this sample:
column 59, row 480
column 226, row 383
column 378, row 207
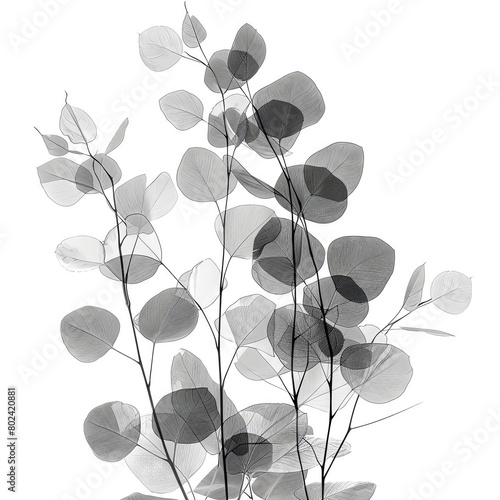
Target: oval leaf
column 379, row 373
column 182, row 109
column 247, row 53
column 112, row 430
column 80, row 253
column 77, row 125
column 160, row 48
column 89, row 332
column 56, row 145
column 202, row 176
column 168, row 316
column 451, row 292
column 193, row 32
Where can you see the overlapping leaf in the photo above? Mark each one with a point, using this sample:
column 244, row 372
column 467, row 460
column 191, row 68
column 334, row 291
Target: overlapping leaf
column 247, row 53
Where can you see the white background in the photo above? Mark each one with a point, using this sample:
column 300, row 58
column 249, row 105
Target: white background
column 396, row 90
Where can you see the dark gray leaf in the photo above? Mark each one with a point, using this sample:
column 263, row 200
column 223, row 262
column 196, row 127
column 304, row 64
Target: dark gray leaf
column 247, row 53
column 252, row 184
column 89, row 332
column 218, row 78
column 112, row 430
column 171, row 315
column 182, row 109
column 366, row 262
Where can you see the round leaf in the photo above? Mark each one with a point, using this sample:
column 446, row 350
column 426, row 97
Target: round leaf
column 80, row 253
column 451, row 291
column 160, row 48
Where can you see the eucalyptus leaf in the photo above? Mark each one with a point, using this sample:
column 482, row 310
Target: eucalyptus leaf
column 77, row 125
column 118, row 137
column 193, row 32
column 56, row 145
column 414, row 290
column 80, row 253
column 247, row 53
column 160, row 48
column 89, row 332
column 451, row 292
column 182, row 109
column 213, row 485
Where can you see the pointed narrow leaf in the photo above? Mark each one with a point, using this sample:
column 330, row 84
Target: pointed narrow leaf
column 80, row 253
column 160, row 48
column 193, row 32
column 451, row 292
column 414, row 291
column 436, row 333
column 182, row 109
column 77, row 125
column 56, row 145
column 118, row 137
column 252, row 184
column 112, row 430
column 89, row 332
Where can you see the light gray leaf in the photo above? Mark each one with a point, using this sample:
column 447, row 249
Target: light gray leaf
column 160, row 48
column 253, row 365
column 80, row 253
column 451, row 292
column 182, row 109
column 436, row 333
column 103, row 170
column 339, row 491
column 272, row 486
column 56, row 145
column 140, row 496
column 89, row 332
column 242, row 224
column 77, row 125
column 202, row 176
column 193, row 32
column 118, row 137
column 414, row 291
column 112, row 430
column 213, row 485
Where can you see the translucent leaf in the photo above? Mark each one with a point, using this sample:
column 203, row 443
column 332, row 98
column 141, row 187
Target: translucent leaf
column 265, row 145
column 302, row 341
column 104, row 171
column 89, row 333
column 140, row 496
column 324, row 298
column 153, row 202
column 310, row 447
column 203, row 282
column 247, row 53
column 193, row 32
column 77, row 125
column 360, row 263
column 182, row 109
column 112, row 430
column 272, row 486
column 58, row 179
column 160, row 48
column 246, row 320
column 56, row 145
column 189, row 372
column 202, row 176
column 118, row 137
column 414, row 290
column 316, row 193
column 80, row 253
column 279, row 265
column 451, row 292
column 253, row 365
column 379, row 373
column 242, row 225
column 147, row 461
column 252, row 184
column 261, row 435
column 344, row 160
column 429, row 331
column 213, row 485
column 171, row 315
column 339, row 491
column 187, row 416
column 288, row 105
column 140, row 251
column 217, row 75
